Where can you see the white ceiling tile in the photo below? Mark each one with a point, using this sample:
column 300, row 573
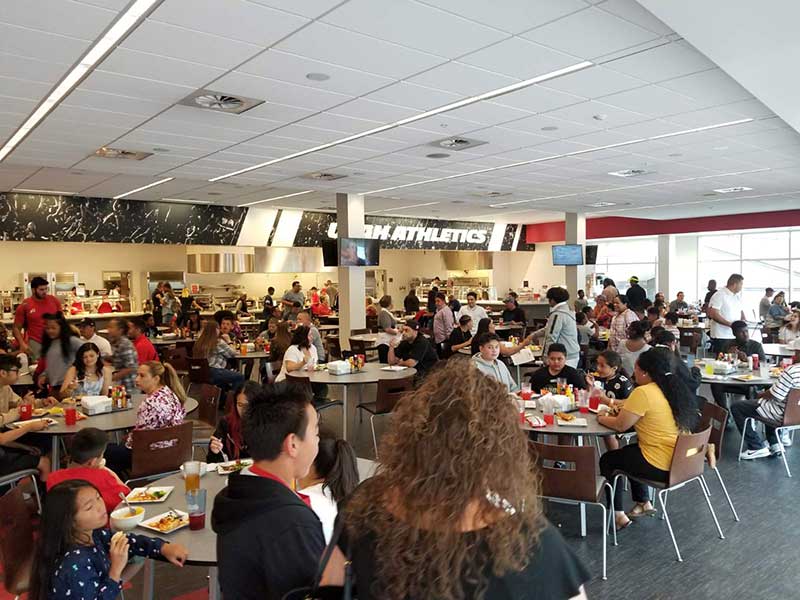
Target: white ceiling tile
column 339, row 46
column 462, row 79
column 416, row 96
column 234, row 19
column 339, row 123
column 31, row 69
column 282, row 113
column 164, row 125
column 703, row 117
column 38, row 44
column 26, row 90
column 62, row 179
column 12, row 176
column 140, row 64
column 108, row 4
column 519, row 58
column 135, row 87
column 594, row 82
column 90, row 100
column 65, row 17
column 391, row 21
column 632, row 11
column 374, row 111
column 668, row 61
column 750, row 108
column 489, row 113
column 538, row 98
column 654, row 101
column 515, row 16
column 281, row 92
column 710, row 87
column 203, row 121
column 565, row 129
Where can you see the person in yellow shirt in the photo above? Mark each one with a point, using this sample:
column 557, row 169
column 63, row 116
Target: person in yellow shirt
column 659, row 408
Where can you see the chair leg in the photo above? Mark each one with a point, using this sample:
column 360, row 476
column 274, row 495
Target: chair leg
column 374, row 438
column 662, row 497
column 36, row 494
column 747, row 421
column 725, row 491
column 704, row 483
column 610, row 517
column 778, row 431
column 663, row 504
column 605, row 541
column 713, row 514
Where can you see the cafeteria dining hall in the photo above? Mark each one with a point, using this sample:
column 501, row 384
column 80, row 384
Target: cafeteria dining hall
column 398, row 299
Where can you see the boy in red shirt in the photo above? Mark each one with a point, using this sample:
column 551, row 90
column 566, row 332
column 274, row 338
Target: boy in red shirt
column 30, row 317
column 144, row 347
column 87, row 464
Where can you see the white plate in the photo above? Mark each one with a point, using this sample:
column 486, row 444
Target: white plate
column 246, row 462
column 148, row 524
column 393, row 368
column 166, row 489
column 576, row 422
column 18, row 424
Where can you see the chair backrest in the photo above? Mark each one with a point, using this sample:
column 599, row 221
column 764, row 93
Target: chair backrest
column 689, row 339
column 579, row 483
column 199, row 371
column 271, row 370
column 360, row 331
column 372, row 323
column 16, row 541
column 150, row 458
column 715, row 417
column 390, row 391
column 358, row 346
column 334, row 347
column 208, row 398
column 689, row 456
column 791, row 415
column 300, row 380
column 178, row 357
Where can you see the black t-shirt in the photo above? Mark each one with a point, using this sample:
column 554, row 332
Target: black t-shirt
column 750, row 347
column 543, row 379
column 458, row 336
column 553, row 571
column 517, row 314
column 636, row 296
column 618, row 387
column 186, row 303
column 420, row 350
column 411, row 304
column 708, row 296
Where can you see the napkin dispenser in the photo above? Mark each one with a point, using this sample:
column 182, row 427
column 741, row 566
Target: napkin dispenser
column 339, row 367
column 95, row 405
column 723, row 368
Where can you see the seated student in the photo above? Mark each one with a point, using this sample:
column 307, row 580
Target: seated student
column 512, row 313
column 615, row 385
column 770, row 406
column 671, row 324
column 584, row 329
column 269, row 540
column 556, row 368
column 151, row 330
column 743, row 346
column 634, row 345
column 20, row 457
column 217, row 352
column 88, row 376
column 228, row 440
column 487, row 363
column 76, row 554
column 461, row 336
column 487, row 326
column 87, row 463
column 294, row 311
column 9, row 400
column 332, row 478
column 413, row 351
column 300, row 355
column 144, row 347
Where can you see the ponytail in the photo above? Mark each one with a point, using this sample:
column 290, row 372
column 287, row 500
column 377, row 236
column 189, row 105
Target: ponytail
column 336, row 463
column 667, row 373
column 169, row 377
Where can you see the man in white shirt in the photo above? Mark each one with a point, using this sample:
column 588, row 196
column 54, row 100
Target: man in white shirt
column 473, row 311
column 89, row 335
column 765, row 303
column 724, row 308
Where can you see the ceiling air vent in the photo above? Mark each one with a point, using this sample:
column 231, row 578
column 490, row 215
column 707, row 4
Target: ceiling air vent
column 628, row 173
column 220, row 101
column 105, row 152
column 457, row 143
column 732, row 190
column 321, row 176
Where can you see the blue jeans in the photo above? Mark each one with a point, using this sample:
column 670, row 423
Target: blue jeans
column 226, row 379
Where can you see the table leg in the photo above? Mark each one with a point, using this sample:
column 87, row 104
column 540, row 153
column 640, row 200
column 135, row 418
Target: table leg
column 214, row 593
column 148, row 579
column 583, row 506
column 256, row 373
column 55, row 452
column 344, row 412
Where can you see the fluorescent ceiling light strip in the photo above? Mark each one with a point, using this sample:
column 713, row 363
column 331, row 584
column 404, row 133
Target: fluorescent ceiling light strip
column 56, row 192
column 405, row 207
column 556, row 156
column 122, row 26
column 430, row 113
column 144, row 187
column 277, row 198
column 182, row 201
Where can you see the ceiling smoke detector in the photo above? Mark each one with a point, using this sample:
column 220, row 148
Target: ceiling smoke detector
column 731, row 190
column 457, row 143
column 628, row 173
column 105, row 152
column 321, row 176
column 220, row 102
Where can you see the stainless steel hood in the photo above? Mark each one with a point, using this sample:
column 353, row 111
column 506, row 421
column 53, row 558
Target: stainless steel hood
column 460, row 260
column 290, row 260
column 220, row 262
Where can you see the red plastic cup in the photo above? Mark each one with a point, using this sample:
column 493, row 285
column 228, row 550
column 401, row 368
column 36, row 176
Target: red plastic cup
column 70, row 415
column 197, row 522
column 583, row 408
column 25, row 412
column 549, row 419
column 594, row 402
column 526, row 394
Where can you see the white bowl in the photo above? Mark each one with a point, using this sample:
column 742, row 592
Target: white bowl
column 203, row 469
column 122, row 520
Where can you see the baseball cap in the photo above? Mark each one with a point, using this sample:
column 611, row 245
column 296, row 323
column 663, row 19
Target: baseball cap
column 86, row 322
column 633, row 279
column 413, row 324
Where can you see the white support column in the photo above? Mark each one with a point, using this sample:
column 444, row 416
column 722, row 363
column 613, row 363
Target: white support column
column 575, row 233
column 352, row 280
column 666, row 254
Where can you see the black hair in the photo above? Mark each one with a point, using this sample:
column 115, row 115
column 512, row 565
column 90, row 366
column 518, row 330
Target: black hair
column 735, row 278
column 38, row 282
column 608, row 281
column 614, row 360
column 656, row 330
column 300, row 337
column 57, row 534
column 464, row 319
column 8, row 362
column 637, row 329
column 441, row 297
column 581, row 291
column 64, row 334
column 557, row 348
column 483, row 327
column 139, row 323
column 653, row 310
column 275, row 412
column 147, row 316
column 587, row 310
column 623, row 298
column 296, row 304
column 121, row 323
column 485, row 338
column 663, row 367
column 336, row 464
column 738, row 325
column 270, row 290
column 224, row 315
column 385, row 301
column 769, row 290
column 672, row 317
column 647, row 303
column 557, row 295
column 80, row 368
column 87, row 444
column 581, row 318
column 473, row 294
column 663, row 337
column 659, row 304
column 294, row 283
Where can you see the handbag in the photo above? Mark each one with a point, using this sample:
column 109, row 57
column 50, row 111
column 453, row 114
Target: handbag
column 327, row 592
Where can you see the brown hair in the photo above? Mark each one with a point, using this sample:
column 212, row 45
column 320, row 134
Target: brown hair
column 167, row 375
column 455, row 443
column 280, row 342
column 207, row 340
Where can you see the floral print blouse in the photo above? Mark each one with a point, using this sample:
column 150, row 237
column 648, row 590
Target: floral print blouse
column 82, row 573
column 160, row 409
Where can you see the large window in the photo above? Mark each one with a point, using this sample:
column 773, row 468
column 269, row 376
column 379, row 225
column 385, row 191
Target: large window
column 621, row 259
column 765, row 259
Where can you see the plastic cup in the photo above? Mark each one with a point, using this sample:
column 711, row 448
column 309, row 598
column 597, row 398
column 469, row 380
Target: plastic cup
column 709, row 368
column 191, row 475
column 526, row 394
column 243, row 350
column 70, row 415
column 196, row 507
column 25, row 412
column 594, row 402
column 549, row 418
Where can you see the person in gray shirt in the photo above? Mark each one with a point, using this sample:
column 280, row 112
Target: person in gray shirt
column 59, row 345
column 292, row 296
column 765, row 303
column 304, row 320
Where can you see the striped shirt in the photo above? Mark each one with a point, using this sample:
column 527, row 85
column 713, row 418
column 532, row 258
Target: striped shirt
column 619, row 328
column 772, row 408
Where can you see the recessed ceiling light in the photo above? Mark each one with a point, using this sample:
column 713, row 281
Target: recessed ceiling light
column 183, row 201
column 157, row 149
column 628, row 173
column 318, row 76
column 406, row 207
column 731, row 190
column 549, row 128
column 144, row 187
column 418, row 117
column 601, row 204
column 437, row 155
column 55, row 192
column 599, row 117
column 215, row 193
column 278, row 198
column 675, row 155
column 720, row 148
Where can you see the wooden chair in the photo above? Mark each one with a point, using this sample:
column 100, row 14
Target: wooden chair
column 372, row 323
column 582, row 483
column 178, row 357
column 715, row 417
column 151, row 461
column 16, row 542
column 688, row 463
column 689, row 338
column 791, row 421
column 208, row 398
column 390, row 391
column 360, row 331
column 12, row 479
column 334, row 347
column 199, row 371
column 360, row 347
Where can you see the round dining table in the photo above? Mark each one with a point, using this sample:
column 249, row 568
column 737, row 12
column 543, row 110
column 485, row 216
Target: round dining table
column 781, row 350
column 740, row 377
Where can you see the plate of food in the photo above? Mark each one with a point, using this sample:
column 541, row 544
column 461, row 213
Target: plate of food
column 233, row 466
column 748, row 377
column 149, row 495
column 565, row 419
column 18, row 424
column 167, row 522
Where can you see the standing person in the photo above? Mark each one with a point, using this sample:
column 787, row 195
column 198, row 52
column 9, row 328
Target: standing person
column 429, row 529
column 561, row 327
column 332, row 292
column 765, row 303
column 454, row 304
column 724, row 308
column 620, row 323
column 413, row 351
column 58, row 348
column 487, row 361
column 411, row 302
column 269, row 303
column 213, row 348
column 636, row 294
column 269, row 541
column 387, row 329
column 602, row 314
column 443, row 321
column 145, row 351
column 679, row 304
column 87, row 376
column 124, row 358
column 188, row 304
column 170, row 305
column 304, row 320
column 88, row 331
column 581, row 302
column 432, row 294
column 228, row 438
column 155, row 299
column 610, row 290
column 473, row 310
column 290, row 297
column 29, row 317
column 240, row 308
column 712, row 289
